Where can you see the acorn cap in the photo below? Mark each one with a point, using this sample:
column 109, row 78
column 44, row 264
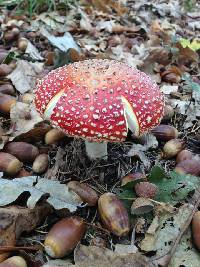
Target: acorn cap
column 141, row 205
column 99, row 100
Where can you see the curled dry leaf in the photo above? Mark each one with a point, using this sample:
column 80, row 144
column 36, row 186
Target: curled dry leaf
column 15, row 220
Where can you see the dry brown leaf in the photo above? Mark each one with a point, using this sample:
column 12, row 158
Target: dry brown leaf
column 186, row 55
column 14, row 220
column 107, row 6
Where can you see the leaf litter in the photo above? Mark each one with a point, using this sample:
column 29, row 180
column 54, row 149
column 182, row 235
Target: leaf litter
column 155, row 37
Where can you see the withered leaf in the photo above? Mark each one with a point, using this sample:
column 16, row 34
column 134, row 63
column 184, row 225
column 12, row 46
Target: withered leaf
column 58, row 194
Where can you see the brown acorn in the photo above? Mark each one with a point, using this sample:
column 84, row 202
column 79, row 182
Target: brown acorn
column 164, row 132
column 183, row 155
column 25, row 152
column 22, row 44
column 172, row 148
column 133, row 177
column 84, row 191
column 15, row 261
column 53, row 136
column 9, row 164
column 40, row 163
column 113, row 214
column 188, row 166
column 5, row 70
column 64, row 236
column 196, row 229
column 146, row 189
column 8, row 89
column 168, row 113
column 6, row 102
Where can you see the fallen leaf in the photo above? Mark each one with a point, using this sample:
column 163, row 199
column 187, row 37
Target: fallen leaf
column 124, row 250
column 25, row 75
column 15, row 220
column 109, row 5
column 57, row 194
column 33, row 52
column 85, row 21
column 92, row 256
column 138, row 150
column 163, row 231
column 194, row 45
column 186, row 254
column 63, row 43
column 172, row 187
column 23, row 118
column 168, row 89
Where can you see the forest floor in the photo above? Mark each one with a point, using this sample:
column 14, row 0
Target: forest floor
column 160, row 38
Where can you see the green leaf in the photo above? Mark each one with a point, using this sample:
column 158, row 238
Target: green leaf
column 194, row 45
column 127, row 196
column 156, row 173
column 173, row 187
column 130, row 185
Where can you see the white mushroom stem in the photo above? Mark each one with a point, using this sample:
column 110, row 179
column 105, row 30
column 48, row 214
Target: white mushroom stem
column 96, row 150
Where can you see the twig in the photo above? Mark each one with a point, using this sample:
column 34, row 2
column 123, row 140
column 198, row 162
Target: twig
column 13, row 248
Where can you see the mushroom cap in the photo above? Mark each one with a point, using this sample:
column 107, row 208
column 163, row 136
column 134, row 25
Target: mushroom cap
column 99, row 100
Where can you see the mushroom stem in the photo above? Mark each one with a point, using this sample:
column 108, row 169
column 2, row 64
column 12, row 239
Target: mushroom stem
column 96, row 150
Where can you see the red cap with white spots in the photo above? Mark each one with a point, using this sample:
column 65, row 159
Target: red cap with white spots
column 99, row 100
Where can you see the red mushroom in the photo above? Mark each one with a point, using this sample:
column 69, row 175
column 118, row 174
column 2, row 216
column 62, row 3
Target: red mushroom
column 99, row 100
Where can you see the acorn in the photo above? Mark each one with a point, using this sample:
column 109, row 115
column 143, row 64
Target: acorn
column 9, row 36
column 15, row 261
column 6, row 103
column 49, row 58
column 113, row 214
column 146, row 190
column 8, row 89
column 188, row 166
column 22, row 44
column 168, row 113
column 141, row 206
column 64, row 236
column 9, row 164
column 5, row 70
column 172, row 148
column 164, row 132
column 196, row 229
column 133, row 177
column 25, row 152
column 84, row 191
column 40, row 163
column 183, row 155
column 53, row 136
